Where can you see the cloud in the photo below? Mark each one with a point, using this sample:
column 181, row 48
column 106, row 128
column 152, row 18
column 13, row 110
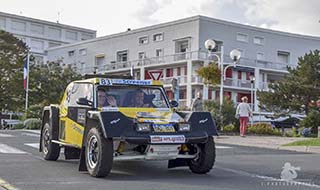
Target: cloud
column 287, row 15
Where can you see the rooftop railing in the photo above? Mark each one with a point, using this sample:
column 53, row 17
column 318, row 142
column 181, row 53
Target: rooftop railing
column 183, row 56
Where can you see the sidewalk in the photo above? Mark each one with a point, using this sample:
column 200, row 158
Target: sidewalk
column 271, row 142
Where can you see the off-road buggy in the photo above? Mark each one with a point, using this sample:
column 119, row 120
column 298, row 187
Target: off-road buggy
column 100, row 133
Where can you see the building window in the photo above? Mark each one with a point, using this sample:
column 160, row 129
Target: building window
column 178, row 71
column 36, row 29
column 37, row 45
column 54, row 33
column 158, row 37
column 169, row 72
column 100, row 59
column 71, row 53
column 86, row 36
column 159, row 52
column 142, row 55
column 122, row 56
column 18, row 26
column 143, row 40
column 283, row 57
column 54, row 44
column 258, row 40
column 242, row 37
column 260, row 56
column 71, row 35
column 2, row 23
column 83, row 51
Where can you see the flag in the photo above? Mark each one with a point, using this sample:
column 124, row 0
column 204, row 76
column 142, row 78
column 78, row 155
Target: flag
column 25, row 72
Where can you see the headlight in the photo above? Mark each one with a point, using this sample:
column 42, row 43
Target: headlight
column 184, row 127
column 143, row 127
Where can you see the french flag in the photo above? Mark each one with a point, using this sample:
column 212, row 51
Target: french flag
column 25, row 72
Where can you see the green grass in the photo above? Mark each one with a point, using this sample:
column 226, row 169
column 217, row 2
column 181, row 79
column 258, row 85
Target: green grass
column 309, row 142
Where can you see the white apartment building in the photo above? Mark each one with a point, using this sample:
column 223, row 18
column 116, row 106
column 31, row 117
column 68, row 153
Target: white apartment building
column 177, row 48
column 40, row 35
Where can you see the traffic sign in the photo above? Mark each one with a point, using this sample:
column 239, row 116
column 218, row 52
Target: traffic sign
column 155, row 74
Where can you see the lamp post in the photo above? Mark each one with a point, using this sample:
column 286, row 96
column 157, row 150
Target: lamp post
column 235, row 56
column 252, row 80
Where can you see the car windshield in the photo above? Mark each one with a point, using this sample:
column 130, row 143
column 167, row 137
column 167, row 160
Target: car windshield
column 131, row 96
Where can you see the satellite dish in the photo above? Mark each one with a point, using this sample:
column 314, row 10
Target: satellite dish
column 210, row 44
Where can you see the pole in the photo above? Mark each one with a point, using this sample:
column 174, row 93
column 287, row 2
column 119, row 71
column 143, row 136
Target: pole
column 221, row 79
column 252, row 101
column 27, row 87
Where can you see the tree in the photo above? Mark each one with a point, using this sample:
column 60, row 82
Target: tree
column 47, row 85
column 12, row 53
column 210, row 73
column 297, row 90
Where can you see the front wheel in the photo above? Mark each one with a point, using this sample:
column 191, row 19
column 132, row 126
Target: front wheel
column 206, row 155
column 50, row 150
column 98, row 153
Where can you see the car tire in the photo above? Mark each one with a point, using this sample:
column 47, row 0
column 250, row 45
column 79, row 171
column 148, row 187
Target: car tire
column 98, row 153
column 206, row 155
column 50, row 150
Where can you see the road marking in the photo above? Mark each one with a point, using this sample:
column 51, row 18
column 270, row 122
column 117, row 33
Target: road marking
column 223, row 147
column 271, row 179
column 33, row 145
column 10, row 150
column 32, row 131
column 6, row 185
column 5, row 135
column 30, row 134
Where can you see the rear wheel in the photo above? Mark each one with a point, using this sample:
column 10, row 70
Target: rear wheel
column 98, row 153
column 50, row 150
column 206, row 155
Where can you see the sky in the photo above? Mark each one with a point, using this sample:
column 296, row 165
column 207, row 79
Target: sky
column 113, row 16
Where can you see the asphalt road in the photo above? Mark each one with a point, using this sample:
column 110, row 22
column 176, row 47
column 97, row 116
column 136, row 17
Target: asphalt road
column 22, row 167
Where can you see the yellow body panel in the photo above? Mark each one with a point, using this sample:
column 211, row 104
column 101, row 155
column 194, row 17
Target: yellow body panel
column 73, row 132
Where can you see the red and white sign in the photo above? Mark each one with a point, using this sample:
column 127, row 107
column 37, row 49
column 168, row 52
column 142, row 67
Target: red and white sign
column 155, row 74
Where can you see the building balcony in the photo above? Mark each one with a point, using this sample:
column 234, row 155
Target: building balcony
column 183, row 57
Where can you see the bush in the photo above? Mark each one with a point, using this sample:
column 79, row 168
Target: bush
column 230, row 128
column 263, row 129
column 227, row 115
column 32, row 123
column 18, row 126
column 311, row 121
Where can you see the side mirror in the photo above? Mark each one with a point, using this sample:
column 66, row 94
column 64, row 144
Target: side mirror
column 84, row 102
column 174, row 103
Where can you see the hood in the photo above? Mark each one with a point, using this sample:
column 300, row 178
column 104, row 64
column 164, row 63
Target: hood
column 152, row 115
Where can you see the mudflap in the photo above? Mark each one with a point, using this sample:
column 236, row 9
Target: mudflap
column 71, row 153
column 82, row 164
column 179, row 162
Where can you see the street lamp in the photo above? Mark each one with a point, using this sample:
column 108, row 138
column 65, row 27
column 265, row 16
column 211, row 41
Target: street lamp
column 252, row 80
column 235, row 56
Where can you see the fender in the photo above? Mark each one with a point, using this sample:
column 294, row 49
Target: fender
column 201, row 121
column 51, row 114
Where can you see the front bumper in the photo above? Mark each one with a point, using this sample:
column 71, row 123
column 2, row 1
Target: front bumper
column 190, row 138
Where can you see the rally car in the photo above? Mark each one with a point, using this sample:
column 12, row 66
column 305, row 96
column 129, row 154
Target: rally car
column 101, row 120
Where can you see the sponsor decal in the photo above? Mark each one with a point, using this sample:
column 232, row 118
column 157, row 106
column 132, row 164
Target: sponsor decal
column 81, row 116
column 105, row 82
column 124, row 81
column 112, row 109
column 157, row 139
column 76, row 128
column 114, row 121
column 163, row 128
column 203, row 120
